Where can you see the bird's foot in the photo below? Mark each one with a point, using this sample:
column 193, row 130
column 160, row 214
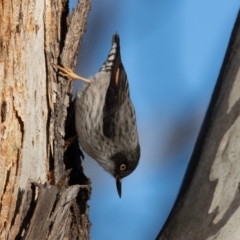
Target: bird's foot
column 69, row 141
column 67, row 72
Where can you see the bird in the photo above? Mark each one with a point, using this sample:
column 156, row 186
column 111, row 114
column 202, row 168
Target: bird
column 105, row 117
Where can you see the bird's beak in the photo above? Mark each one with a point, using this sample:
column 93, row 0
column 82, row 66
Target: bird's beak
column 119, row 185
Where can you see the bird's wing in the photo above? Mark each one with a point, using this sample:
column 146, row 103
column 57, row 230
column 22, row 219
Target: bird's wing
column 118, row 89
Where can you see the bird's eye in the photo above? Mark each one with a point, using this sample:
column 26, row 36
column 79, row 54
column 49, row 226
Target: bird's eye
column 123, row 167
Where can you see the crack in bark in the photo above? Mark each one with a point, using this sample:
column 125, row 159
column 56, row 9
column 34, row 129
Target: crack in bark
column 3, row 111
column 5, row 187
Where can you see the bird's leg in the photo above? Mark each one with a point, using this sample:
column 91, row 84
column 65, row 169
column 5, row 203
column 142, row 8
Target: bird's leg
column 69, row 141
column 67, row 72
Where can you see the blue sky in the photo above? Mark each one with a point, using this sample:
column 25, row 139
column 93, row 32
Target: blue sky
column 172, row 52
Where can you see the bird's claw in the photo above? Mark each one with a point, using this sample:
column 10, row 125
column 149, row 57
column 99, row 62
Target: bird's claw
column 69, row 142
column 67, row 72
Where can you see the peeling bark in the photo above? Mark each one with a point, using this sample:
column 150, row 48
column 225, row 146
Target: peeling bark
column 39, row 199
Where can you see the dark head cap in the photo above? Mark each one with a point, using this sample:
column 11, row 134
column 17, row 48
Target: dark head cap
column 125, row 163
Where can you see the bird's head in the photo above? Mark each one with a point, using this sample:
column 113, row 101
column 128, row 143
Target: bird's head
column 124, row 163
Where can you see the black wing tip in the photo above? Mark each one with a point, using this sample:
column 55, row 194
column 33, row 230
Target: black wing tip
column 116, row 38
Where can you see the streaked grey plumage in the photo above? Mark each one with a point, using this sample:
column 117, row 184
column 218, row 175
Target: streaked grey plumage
column 105, row 118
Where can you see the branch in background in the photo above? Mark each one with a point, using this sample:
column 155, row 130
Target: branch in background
column 208, row 202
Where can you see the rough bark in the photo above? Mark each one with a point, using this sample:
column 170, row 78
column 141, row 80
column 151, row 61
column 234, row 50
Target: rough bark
column 208, row 204
column 39, row 199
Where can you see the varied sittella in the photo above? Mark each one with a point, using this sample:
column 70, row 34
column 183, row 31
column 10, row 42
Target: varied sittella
column 105, row 117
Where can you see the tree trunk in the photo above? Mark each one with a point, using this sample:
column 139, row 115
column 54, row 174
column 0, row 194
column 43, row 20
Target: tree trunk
column 207, row 207
column 39, row 197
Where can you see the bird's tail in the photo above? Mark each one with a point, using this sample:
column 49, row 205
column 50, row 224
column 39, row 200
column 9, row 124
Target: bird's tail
column 113, row 55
